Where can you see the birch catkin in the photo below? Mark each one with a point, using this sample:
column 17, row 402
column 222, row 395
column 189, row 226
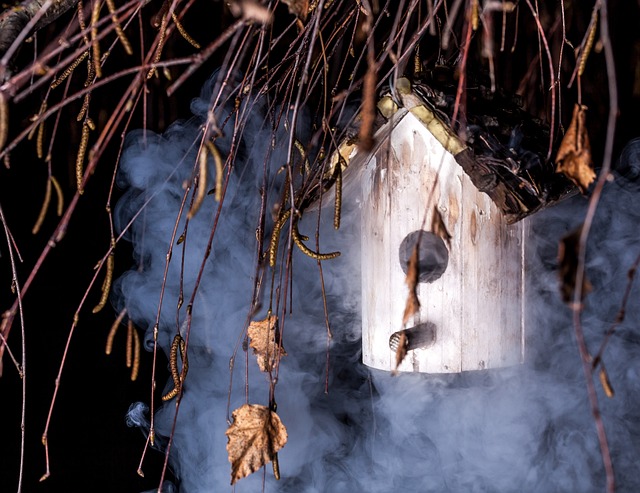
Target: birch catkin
column 202, row 182
column 82, row 150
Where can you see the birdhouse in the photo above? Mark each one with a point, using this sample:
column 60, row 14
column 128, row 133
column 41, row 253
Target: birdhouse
column 422, row 185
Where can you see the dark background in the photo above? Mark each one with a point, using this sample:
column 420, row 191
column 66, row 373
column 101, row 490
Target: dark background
column 89, row 443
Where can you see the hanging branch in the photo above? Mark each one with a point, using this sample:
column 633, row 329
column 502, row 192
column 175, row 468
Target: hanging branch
column 585, row 357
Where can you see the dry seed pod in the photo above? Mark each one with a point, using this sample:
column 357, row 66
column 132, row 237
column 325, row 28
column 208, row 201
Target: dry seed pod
column 161, row 40
column 184, row 33
column 338, row 203
column 59, row 195
column 136, row 356
column 119, row 32
column 43, row 209
column 81, row 23
column 307, row 251
column 173, row 359
column 217, row 159
column 40, row 141
column 129, row 354
column 589, row 44
column 82, row 150
column 95, row 17
column 202, row 183
column 303, row 154
column 106, row 285
column 178, row 377
column 69, row 70
column 275, row 237
column 113, row 330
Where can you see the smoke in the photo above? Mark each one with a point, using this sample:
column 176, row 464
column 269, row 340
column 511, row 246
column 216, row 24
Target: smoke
column 526, row 428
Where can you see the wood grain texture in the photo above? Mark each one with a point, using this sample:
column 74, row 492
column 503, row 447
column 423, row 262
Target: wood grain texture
column 477, row 304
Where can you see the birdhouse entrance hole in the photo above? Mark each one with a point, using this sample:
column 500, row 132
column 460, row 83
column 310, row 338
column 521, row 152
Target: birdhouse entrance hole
column 433, row 256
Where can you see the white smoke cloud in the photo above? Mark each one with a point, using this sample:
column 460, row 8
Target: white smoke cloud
column 526, row 428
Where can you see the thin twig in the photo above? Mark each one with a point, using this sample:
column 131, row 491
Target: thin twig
column 553, row 86
column 582, row 247
column 631, row 275
column 22, row 369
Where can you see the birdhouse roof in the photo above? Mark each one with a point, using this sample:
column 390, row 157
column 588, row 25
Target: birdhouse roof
column 502, row 148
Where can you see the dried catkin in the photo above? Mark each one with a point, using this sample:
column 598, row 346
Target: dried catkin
column 119, row 32
column 106, row 285
column 95, row 17
column 43, row 209
column 184, row 33
column 82, row 150
column 129, row 353
column 589, row 44
column 136, row 356
column 112, row 332
column 69, row 70
column 59, row 195
column 338, row 203
column 307, row 251
column 202, row 183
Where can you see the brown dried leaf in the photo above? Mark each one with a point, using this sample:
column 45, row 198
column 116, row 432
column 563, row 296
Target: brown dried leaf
column 438, row 227
column 568, row 262
column 253, row 439
column 413, row 272
column 265, row 341
column 605, row 382
column 574, row 156
column 401, row 351
column 299, row 8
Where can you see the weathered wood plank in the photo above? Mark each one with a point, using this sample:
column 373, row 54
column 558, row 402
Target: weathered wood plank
column 476, row 305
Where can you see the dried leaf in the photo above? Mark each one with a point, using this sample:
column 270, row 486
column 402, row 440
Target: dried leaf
column 299, row 8
column 574, row 156
column 438, row 227
column 568, row 261
column 413, row 272
column 265, row 341
column 401, row 351
column 605, row 382
column 254, row 438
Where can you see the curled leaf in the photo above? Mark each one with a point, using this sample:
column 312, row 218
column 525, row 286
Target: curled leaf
column 438, row 227
column 574, row 156
column 413, row 273
column 605, row 382
column 401, row 350
column 265, row 341
column 253, row 439
column 568, row 262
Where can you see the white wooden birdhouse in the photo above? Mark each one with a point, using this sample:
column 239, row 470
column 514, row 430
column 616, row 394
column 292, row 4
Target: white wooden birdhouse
column 471, row 287
column 421, row 181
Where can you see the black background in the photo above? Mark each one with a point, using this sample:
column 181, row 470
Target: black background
column 90, row 446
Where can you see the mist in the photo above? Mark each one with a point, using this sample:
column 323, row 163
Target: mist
column 525, row 428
